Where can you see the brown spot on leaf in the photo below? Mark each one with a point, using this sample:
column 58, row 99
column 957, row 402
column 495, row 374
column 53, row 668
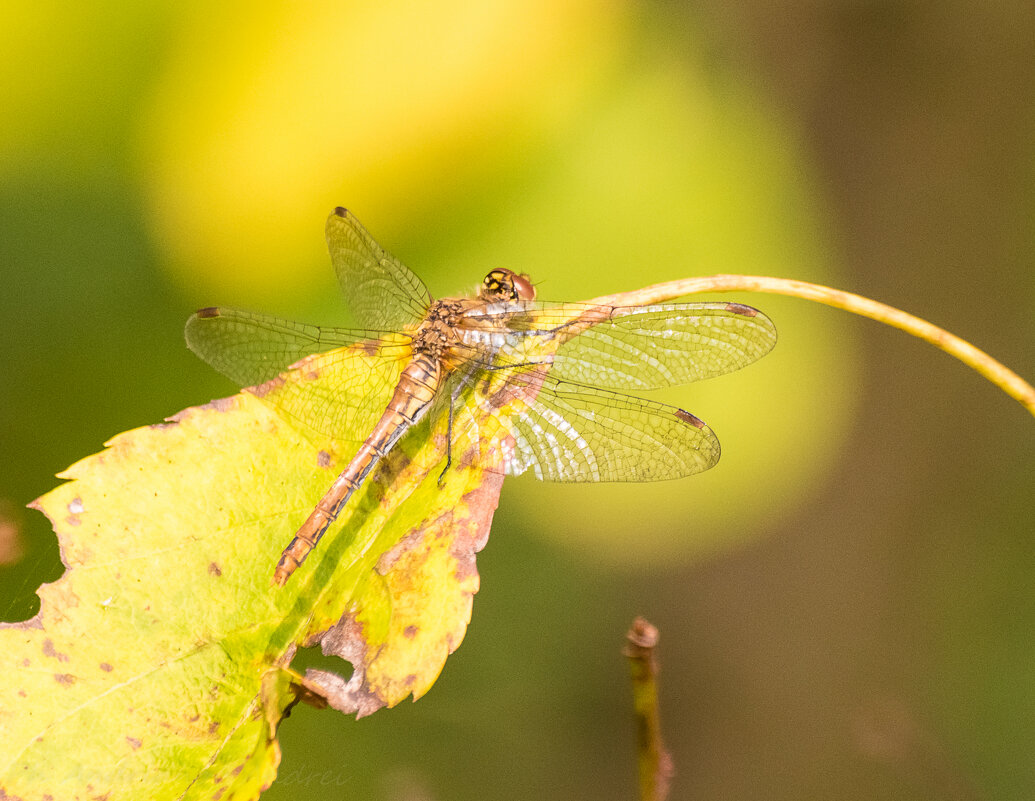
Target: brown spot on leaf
column 213, row 727
column 323, row 459
column 410, row 631
column 214, row 570
column 471, row 457
column 31, row 623
column 217, row 405
column 368, row 347
column 51, row 651
column 64, row 678
column 106, row 667
column 345, row 639
column 411, row 679
column 411, row 542
column 480, row 504
column 134, row 742
column 686, row 417
column 262, row 390
column 740, row 308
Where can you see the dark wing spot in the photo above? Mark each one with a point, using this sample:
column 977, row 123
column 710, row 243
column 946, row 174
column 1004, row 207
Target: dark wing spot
column 207, row 312
column 341, row 211
column 686, row 417
column 740, row 308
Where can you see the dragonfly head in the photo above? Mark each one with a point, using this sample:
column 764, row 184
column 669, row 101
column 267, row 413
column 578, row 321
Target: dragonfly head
column 507, row 285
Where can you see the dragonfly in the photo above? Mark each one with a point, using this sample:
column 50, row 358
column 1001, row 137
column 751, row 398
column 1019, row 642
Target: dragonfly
column 549, row 375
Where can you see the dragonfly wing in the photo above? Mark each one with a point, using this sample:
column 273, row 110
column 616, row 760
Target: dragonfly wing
column 650, row 347
column 250, row 348
column 569, row 432
column 380, row 291
column 633, row 347
column 339, row 394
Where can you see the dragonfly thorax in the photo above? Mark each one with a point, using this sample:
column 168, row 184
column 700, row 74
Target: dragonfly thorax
column 437, row 332
column 445, row 311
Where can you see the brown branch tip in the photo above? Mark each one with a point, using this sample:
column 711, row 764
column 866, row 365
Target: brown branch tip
column 655, row 763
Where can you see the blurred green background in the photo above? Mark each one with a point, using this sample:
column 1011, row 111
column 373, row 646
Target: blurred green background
column 845, row 602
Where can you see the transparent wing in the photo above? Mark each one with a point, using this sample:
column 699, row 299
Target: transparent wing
column 379, row 290
column 568, row 432
column 338, row 394
column 250, row 348
column 637, row 347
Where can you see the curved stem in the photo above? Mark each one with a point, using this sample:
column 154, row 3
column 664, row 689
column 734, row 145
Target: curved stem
column 996, row 372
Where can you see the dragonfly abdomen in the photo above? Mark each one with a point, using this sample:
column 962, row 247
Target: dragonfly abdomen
column 417, row 387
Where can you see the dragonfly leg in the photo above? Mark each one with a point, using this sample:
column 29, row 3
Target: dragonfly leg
column 449, row 441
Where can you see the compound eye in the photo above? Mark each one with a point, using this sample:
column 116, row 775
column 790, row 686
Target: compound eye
column 499, row 285
column 506, row 285
column 523, row 286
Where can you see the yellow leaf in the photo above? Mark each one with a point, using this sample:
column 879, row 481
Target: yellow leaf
column 158, row 666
